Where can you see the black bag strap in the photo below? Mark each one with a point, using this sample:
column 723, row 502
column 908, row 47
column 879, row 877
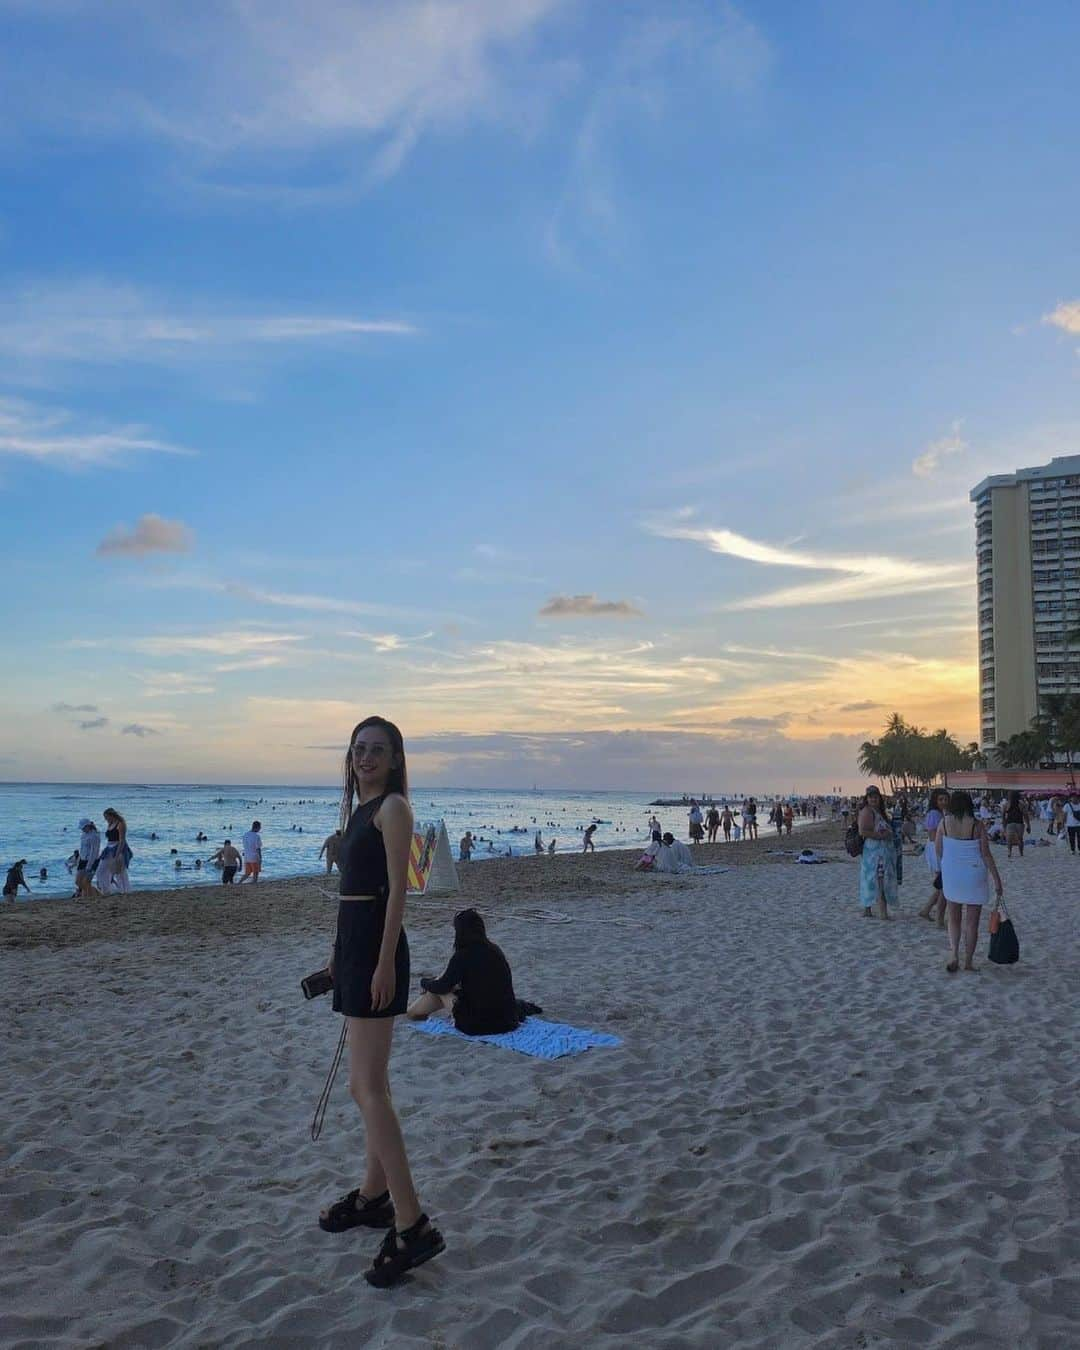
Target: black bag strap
column 328, row 1086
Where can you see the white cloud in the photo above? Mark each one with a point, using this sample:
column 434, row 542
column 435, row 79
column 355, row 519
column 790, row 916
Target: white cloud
column 245, row 79
column 97, row 322
column 1066, row 317
column 935, row 454
column 862, row 575
column 248, row 663
column 48, row 435
column 389, row 642
column 216, row 644
column 151, row 534
column 170, row 683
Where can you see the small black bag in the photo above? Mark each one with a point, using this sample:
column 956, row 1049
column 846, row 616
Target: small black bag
column 853, row 840
column 1004, row 944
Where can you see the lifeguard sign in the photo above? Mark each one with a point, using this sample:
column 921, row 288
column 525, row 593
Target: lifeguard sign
column 431, row 864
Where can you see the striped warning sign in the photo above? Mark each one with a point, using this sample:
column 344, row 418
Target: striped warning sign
column 431, row 864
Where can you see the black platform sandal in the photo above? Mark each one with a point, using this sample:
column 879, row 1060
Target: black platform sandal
column 355, row 1211
column 404, row 1250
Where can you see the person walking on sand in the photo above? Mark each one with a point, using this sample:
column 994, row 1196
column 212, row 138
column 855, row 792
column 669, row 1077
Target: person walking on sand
column 712, row 823
column 877, row 870
column 370, row 970
column 588, row 846
column 251, row 843
column 726, row 822
column 966, row 864
column 939, row 804
column 331, row 845
column 1016, row 819
column 112, row 867
column 654, row 825
column 789, row 819
column 228, row 857
column 1070, row 818
column 750, row 819
column 15, row 879
column 697, row 831
column 89, row 853
column 465, row 847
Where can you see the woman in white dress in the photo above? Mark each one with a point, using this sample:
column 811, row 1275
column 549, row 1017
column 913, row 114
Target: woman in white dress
column 966, row 865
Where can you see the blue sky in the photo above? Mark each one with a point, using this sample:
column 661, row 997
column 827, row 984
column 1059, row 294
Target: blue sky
column 593, row 388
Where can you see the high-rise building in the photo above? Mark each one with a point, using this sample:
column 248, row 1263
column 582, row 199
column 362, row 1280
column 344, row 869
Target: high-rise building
column 1027, row 541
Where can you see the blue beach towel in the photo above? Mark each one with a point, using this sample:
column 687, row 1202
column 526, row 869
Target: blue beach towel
column 542, row 1040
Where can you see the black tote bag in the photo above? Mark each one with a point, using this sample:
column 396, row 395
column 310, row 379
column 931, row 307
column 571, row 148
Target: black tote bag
column 1004, row 944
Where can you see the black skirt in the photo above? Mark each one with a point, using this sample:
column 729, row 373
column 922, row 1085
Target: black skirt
column 356, row 954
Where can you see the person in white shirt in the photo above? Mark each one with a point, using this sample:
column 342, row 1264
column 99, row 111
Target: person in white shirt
column 1072, row 820
column 252, row 846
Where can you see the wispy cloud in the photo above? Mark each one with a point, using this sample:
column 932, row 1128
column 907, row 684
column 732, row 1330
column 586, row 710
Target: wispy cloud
column 389, row 642
column 171, row 683
column 656, row 60
column 256, row 86
column 249, row 663
column 320, row 604
column 862, row 575
column 139, row 729
column 216, row 644
column 95, row 724
column 50, row 436
column 151, row 534
column 74, row 707
column 587, row 607
column 98, row 322
column 937, row 452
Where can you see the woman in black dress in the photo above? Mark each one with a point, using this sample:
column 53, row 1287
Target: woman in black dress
column 370, row 970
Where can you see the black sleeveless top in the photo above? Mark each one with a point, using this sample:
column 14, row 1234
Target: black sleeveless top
column 362, row 855
column 113, row 835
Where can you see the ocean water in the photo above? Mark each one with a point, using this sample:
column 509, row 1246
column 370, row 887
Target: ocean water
column 39, row 822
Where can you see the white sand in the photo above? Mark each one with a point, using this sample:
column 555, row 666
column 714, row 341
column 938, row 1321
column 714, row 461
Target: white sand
column 812, row 1136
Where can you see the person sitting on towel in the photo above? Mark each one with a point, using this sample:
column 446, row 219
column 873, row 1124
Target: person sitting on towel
column 673, row 856
column 476, row 988
column 648, row 858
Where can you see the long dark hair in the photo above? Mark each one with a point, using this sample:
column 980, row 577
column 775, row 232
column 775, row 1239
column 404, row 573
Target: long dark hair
column 934, row 798
column 961, row 805
column 468, row 927
column 866, row 798
column 398, row 778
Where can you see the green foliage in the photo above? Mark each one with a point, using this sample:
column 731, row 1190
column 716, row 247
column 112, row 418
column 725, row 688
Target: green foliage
column 910, row 757
column 1054, row 730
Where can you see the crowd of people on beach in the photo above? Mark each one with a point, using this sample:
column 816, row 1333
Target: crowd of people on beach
column 957, row 838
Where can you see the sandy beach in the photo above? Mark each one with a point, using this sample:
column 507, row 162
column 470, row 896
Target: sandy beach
column 810, row 1136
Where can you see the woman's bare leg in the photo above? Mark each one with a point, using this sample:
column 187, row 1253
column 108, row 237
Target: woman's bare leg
column 972, row 914
column 955, row 916
column 427, row 1004
column 369, row 1084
